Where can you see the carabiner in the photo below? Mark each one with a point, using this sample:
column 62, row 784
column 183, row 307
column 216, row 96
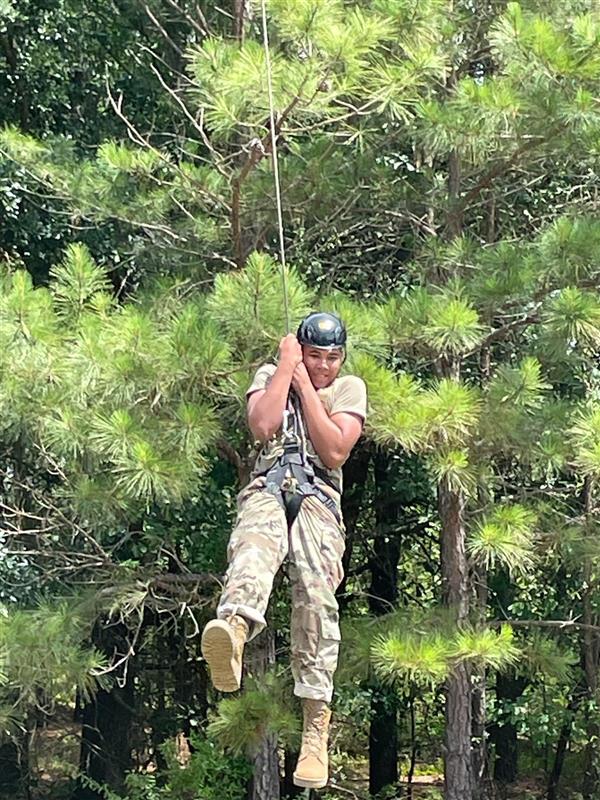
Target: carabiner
column 285, row 426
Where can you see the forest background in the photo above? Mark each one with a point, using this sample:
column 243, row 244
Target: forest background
column 439, row 174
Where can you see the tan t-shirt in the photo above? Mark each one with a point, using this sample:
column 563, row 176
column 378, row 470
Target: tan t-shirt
column 346, row 394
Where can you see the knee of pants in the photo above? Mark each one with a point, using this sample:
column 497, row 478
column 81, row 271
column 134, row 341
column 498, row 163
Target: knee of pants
column 315, row 641
column 244, row 588
column 316, row 585
column 316, row 554
column 255, row 554
column 313, row 601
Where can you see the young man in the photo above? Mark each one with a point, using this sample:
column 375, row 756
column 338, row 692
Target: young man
column 291, row 508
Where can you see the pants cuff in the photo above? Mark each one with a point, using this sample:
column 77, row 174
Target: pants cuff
column 312, row 693
column 255, row 620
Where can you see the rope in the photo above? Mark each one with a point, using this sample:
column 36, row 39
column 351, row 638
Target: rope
column 276, row 169
column 292, row 410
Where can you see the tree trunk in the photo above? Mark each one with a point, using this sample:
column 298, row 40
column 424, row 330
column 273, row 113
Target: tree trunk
column 509, row 687
column 242, row 12
column 288, row 789
column 457, row 764
column 504, row 735
column 105, row 753
column 13, row 771
column 479, row 721
column 577, row 696
column 355, row 479
column 264, row 784
column 591, row 771
column 383, row 595
column 383, row 740
column 455, row 217
column 479, row 733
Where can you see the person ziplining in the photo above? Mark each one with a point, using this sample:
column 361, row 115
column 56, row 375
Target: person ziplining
column 306, row 419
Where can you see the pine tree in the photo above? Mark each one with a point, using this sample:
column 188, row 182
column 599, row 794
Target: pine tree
column 395, row 124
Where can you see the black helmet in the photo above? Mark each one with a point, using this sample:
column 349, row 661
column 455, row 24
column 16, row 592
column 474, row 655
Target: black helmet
column 321, row 329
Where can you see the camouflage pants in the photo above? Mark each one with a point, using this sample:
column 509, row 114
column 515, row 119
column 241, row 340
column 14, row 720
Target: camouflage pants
column 313, row 545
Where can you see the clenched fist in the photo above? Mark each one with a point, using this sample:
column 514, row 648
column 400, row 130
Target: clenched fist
column 290, row 351
column 301, row 380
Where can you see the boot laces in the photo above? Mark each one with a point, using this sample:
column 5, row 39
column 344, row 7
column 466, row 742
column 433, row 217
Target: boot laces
column 313, row 742
column 314, row 733
column 239, row 625
column 240, row 631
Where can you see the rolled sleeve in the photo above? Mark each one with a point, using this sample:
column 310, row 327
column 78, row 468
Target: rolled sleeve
column 350, row 397
column 262, row 378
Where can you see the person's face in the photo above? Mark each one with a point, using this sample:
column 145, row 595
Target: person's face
column 322, row 365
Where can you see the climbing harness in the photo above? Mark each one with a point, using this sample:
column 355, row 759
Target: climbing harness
column 292, row 477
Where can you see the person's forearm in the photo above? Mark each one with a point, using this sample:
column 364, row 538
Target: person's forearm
column 267, row 414
column 326, row 437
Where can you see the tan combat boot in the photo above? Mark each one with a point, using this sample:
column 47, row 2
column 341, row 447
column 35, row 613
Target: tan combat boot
column 312, row 768
column 223, row 648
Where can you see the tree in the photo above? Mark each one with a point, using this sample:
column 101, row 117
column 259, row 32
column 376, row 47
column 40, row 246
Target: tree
column 421, row 120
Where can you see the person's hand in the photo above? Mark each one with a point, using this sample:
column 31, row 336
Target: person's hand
column 301, row 379
column 290, row 351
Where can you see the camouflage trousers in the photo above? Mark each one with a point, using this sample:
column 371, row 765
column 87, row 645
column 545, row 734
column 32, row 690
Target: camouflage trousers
column 314, row 544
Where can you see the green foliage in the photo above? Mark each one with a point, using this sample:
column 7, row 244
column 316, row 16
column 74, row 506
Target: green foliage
column 366, row 334
column 505, row 272
column 495, row 650
column 248, row 305
column 573, row 318
column 519, row 418
column 7, row 10
column 451, row 412
column 547, row 658
column 208, row 774
column 522, row 387
column 122, row 158
column 418, row 659
column 452, row 326
column 414, row 158
column 452, row 467
column 122, row 397
column 442, row 322
column 306, row 20
column 263, row 708
column 427, row 651
column 505, row 538
column 78, row 282
column 392, row 402
column 567, row 248
column 44, row 658
column 26, row 313
column 585, row 437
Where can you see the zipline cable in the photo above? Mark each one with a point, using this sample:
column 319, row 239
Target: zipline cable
column 291, row 406
column 286, row 309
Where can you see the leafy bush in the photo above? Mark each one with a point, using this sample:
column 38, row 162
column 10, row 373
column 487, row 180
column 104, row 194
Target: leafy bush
column 208, row 775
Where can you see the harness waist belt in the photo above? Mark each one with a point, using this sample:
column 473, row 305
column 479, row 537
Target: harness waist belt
column 290, row 481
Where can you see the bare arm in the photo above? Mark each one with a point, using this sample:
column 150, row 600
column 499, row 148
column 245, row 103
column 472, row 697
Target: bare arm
column 332, row 437
column 266, row 407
